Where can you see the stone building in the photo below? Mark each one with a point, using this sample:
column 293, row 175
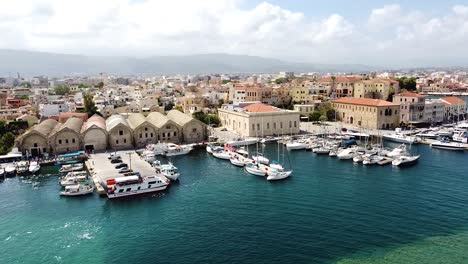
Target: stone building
column 257, row 119
column 367, row 113
column 143, row 131
column 66, row 137
column 376, row 88
column 94, row 134
column 169, row 131
column 119, row 132
column 192, row 129
column 412, row 107
column 35, row 142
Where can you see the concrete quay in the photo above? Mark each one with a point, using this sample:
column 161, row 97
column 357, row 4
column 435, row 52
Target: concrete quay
column 101, row 168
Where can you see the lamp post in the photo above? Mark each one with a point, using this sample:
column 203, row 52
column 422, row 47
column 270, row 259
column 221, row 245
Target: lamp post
column 130, row 158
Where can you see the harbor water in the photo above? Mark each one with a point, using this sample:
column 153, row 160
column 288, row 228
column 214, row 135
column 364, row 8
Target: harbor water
column 328, row 211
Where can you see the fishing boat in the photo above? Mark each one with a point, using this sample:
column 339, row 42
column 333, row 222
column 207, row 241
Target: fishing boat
column 176, row 150
column 446, row 144
column 254, row 169
column 72, row 179
column 34, row 167
column 77, row 190
column 134, row 185
column 242, row 142
column 405, row 160
column 10, row 169
column 71, row 167
column 22, row 167
column 169, row 171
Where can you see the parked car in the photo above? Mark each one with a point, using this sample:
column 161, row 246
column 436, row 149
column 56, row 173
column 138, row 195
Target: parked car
column 125, row 170
column 121, row 165
column 113, row 156
column 113, row 161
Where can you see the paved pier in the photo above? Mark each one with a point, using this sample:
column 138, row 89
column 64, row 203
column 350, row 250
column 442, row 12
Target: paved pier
column 101, row 168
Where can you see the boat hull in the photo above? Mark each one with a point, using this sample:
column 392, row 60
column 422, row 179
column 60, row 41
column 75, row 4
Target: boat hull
column 131, row 193
column 256, row 172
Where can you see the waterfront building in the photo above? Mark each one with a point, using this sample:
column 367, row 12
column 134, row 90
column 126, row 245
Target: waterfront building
column 412, row 107
column 66, row 137
column 169, row 131
column 376, row 89
column 252, row 119
column 434, row 111
column 94, row 134
column 455, row 108
column 119, row 132
column 144, row 132
column 193, row 130
column 367, row 113
column 35, row 142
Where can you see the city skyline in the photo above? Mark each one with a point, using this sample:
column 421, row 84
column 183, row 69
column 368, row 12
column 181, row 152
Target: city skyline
column 376, row 33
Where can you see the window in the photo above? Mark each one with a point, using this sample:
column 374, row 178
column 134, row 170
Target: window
column 117, row 142
column 253, row 127
column 73, row 140
column 290, row 123
column 35, row 145
column 274, row 125
column 60, row 141
column 153, row 182
column 151, row 134
column 149, row 186
column 163, row 134
column 146, row 135
column 125, row 140
column 128, row 189
column 121, row 132
column 66, row 141
column 281, row 125
column 121, row 190
column 194, row 129
column 295, row 124
column 175, row 133
column 141, row 135
column 138, row 188
column 146, row 129
column 258, row 126
column 268, row 125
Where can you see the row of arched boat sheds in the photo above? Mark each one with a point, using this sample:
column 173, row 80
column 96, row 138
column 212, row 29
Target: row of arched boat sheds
column 116, row 132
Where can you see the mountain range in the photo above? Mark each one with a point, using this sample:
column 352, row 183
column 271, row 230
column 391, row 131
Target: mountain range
column 55, row 64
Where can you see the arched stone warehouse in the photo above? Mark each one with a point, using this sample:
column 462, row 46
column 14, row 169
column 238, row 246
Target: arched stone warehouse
column 66, row 137
column 119, row 132
column 94, row 134
column 35, row 142
column 144, row 132
column 193, row 130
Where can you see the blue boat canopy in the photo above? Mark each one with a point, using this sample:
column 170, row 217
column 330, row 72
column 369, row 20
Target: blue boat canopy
column 73, row 154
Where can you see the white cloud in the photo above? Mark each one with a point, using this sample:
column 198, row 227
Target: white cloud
column 390, row 35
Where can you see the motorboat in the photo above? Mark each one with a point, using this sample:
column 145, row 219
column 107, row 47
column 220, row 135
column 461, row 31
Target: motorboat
column 358, row 158
column 405, row 160
column 346, row 154
column 169, row 171
column 255, row 169
column 275, row 175
column 333, row 152
column 222, row 154
column 267, row 140
column 134, row 185
column 237, row 160
column 261, row 159
column 460, row 135
column 398, row 151
column 73, row 179
column 10, row 169
column 429, row 134
column 445, row 144
column 34, row 167
column 355, row 134
column 401, row 138
column 71, row 167
column 22, row 167
column 149, row 156
column 296, row 145
column 321, row 151
column 176, row 150
column 77, row 190
column 371, row 160
column 242, row 142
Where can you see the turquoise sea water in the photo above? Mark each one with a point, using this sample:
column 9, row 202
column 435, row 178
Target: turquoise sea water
column 328, row 211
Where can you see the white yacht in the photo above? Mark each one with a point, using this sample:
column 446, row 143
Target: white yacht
column 175, row 150
column 296, row 145
column 10, row 169
column 274, row 175
column 71, row 167
column 134, row 185
column 401, row 138
column 222, row 154
column 347, row 154
column 460, row 135
column 34, row 167
column 242, row 142
column 170, row 171
column 405, row 160
column 398, row 151
column 22, row 167
column 149, row 156
column 355, row 134
column 267, row 140
column 77, row 190
column 254, row 169
column 445, row 144
column 73, row 179
column 237, row 160
column 2, row 172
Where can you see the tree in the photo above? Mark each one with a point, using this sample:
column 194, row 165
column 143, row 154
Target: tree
column 315, row 116
column 281, row 80
column 169, row 106
column 61, row 90
column 2, row 128
column 209, row 119
column 26, row 84
column 81, row 85
column 7, row 141
column 406, row 83
column 330, row 114
column 89, row 105
column 100, row 85
column 179, row 107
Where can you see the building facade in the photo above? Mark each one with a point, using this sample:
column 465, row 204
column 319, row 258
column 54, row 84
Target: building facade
column 412, row 107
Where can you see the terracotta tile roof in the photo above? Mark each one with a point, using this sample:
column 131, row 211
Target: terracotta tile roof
column 260, row 108
column 364, row 101
column 410, row 94
column 453, row 100
column 386, row 80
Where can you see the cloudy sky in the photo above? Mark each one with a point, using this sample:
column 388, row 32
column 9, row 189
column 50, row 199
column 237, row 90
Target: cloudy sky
column 374, row 32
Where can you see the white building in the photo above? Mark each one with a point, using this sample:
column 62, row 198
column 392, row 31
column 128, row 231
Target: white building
column 434, row 111
column 53, row 108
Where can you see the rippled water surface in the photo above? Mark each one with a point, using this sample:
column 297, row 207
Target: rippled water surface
column 328, row 211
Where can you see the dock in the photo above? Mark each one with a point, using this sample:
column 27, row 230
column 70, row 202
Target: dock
column 101, row 168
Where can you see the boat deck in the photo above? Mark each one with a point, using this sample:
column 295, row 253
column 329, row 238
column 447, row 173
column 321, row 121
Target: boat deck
column 102, row 169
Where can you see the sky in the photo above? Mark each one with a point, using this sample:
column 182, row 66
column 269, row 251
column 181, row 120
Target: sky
column 378, row 33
